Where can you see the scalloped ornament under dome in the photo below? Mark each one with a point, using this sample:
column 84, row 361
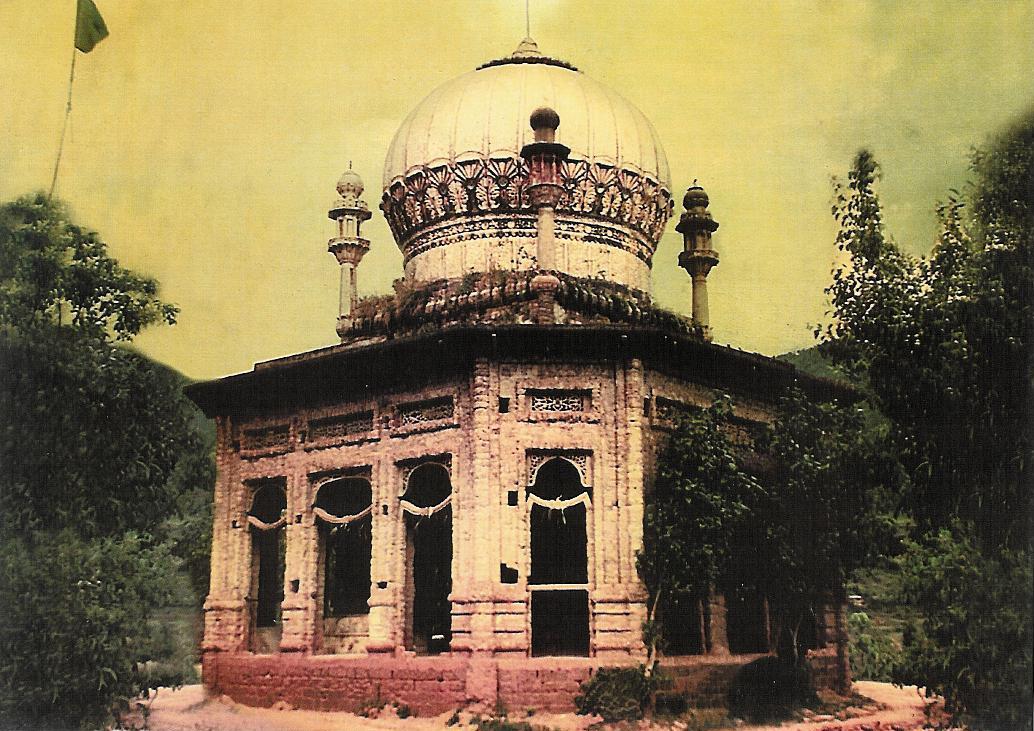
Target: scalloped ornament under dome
column 454, row 179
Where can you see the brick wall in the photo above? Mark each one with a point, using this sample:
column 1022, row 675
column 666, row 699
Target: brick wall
column 327, row 683
column 540, row 684
column 433, row 685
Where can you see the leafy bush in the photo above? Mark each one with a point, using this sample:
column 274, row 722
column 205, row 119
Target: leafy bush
column 769, row 689
column 75, row 614
column 873, row 654
column 974, row 644
column 616, row 694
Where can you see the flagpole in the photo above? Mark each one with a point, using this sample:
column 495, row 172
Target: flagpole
column 64, row 125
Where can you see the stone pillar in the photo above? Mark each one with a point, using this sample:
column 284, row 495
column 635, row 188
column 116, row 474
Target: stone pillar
column 701, row 313
column 226, row 611
column 632, row 494
column 545, row 190
column 545, row 239
column 840, row 639
column 545, row 287
column 476, row 591
column 717, row 631
column 632, row 501
column 384, row 583
column 299, row 610
column 348, row 295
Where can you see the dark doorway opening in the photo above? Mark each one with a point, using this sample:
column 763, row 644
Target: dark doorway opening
column 809, row 632
column 558, row 546
column 346, row 528
column 559, row 561
column 267, row 548
column 431, row 541
column 746, row 622
column 560, row 622
column 685, row 624
column 429, row 559
column 270, row 552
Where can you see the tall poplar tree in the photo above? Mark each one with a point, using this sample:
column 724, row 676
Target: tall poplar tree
column 943, row 345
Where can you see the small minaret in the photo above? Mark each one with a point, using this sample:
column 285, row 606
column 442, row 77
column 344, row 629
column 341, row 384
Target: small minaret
column 348, row 246
column 697, row 257
column 544, row 190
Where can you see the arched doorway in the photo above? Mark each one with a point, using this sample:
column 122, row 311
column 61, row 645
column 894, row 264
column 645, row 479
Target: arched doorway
column 343, row 511
column 558, row 503
column 266, row 520
column 427, row 510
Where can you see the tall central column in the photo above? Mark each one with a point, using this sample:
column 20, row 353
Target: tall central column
column 545, row 190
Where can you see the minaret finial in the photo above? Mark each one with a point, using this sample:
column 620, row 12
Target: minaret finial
column 527, row 18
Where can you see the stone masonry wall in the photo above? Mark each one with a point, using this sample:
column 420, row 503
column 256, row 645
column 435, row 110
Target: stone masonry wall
column 507, row 419
column 491, row 452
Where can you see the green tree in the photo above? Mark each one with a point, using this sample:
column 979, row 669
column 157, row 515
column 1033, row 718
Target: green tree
column 823, row 512
column 975, row 640
column 54, row 272
column 700, row 493
column 943, row 344
column 102, row 475
column 872, row 652
column 94, row 434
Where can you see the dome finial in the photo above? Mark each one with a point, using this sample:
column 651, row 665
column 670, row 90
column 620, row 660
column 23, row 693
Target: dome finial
column 527, row 48
column 545, row 121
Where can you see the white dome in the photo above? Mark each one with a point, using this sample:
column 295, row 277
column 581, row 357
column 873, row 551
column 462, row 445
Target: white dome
column 485, row 113
column 454, row 179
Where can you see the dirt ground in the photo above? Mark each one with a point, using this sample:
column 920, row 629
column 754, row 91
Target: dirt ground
column 190, row 709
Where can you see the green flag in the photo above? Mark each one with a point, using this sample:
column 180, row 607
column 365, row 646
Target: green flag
column 89, row 26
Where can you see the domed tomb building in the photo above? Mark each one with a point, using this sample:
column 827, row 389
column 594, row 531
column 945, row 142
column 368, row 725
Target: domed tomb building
column 445, row 508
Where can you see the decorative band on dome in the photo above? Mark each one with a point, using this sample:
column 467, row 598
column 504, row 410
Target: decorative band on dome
column 599, row 190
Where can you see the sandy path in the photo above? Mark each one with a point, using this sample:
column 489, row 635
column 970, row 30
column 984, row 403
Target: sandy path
column 190, row 709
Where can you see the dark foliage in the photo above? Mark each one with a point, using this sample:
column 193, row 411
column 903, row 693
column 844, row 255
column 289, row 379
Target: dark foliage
column 700, row 496
column 873, row 654
column 75, row 642
column 616, row 694
column 976, row 638
column 55, row 272
column 105, row 479
column 770, row 689
column 823, row 512
column 943, row 345
column 92, row 434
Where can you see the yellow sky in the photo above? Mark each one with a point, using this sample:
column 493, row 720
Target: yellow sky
column 207, row 136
